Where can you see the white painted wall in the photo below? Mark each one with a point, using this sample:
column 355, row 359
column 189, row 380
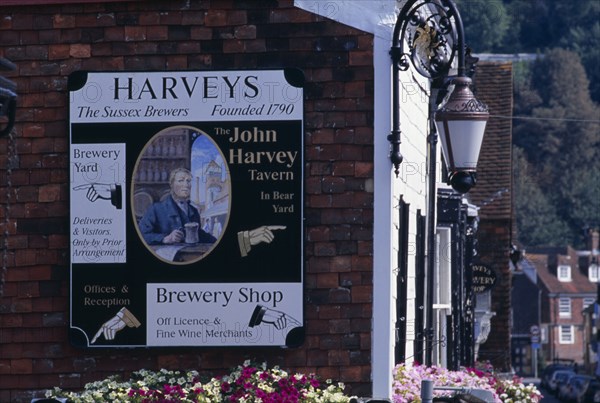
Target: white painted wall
column 378, row 17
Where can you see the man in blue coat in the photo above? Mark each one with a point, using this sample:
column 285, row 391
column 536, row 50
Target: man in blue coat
column 164, row 221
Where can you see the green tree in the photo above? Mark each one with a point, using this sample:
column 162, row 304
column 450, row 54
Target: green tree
column 486, row 23
column 585, row 40
column 537, row 25
column 542, row 24
column 538, row 223
column 569, row 138
column 560, row 141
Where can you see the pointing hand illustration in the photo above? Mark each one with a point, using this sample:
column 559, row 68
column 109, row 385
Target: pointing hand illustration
column 263, row 234
column 104, row 191
column 280, row 320
column 116, row 323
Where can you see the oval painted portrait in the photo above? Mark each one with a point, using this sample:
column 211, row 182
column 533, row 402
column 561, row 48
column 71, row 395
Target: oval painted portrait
column 180, row 195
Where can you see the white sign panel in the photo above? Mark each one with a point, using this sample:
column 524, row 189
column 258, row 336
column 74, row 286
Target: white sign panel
column 186, row 208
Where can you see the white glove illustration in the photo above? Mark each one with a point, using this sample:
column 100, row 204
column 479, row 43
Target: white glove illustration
column 116, row 323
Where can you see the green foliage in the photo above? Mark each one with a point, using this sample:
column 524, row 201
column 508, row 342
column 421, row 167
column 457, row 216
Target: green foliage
column 538, row 221
column 585, row 40
column 486, row 23
column 542, row 24
column 557, row 164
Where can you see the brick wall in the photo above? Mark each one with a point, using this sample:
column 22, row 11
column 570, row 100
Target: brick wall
column 567, row 351
column 493, row 194
column 49, row 42
column 493, row 248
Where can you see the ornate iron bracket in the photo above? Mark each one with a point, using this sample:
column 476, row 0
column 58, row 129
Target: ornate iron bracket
column 428, row 34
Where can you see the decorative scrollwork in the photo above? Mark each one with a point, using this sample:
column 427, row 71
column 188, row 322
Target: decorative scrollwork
column 472, row 105
column 428, row 32
column 404, row 62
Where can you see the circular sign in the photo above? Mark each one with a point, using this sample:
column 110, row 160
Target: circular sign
column 484, row 278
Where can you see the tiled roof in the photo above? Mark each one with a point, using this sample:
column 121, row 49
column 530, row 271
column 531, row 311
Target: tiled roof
column 579, row 281
column 494, row 86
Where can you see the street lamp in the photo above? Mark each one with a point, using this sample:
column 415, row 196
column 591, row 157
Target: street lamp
column 433, row 33
column 428, row 35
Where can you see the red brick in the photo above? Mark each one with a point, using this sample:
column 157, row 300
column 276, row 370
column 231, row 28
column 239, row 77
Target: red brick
column 149, row 18
column 23, row 305
column 157, row 33
column 135, row 33
column 325, row 152
column 234, row 46
column 236, row 17
column 329, row 372
column 113, row 34
column 316, row 234
column 329, row 341
column 353, row 373
column 193, row 18
column 339, row 295
column 256, row 45
column 49, row 193
column 28, row 289
column 325, row 249
column 245, row 32
column 201, row 33
column 22, row 21
column 362, row 293
column 36, row 52
column 215, row 18
column 41, row 145
column 56, row 241
column 355, row 89
column 358, row 58
column 341, row 264
column 333, row 184
column 5, row 369
column 64, row 21
column 320, row 201
column 80, row 50
column 319, row 264
column 327, row 280
column 18, row 242
column 68, row 381
column 317, row 358
column 171, row 18
column 312, row 185
column 290, row 15
column 338, row 357
column 11, row 320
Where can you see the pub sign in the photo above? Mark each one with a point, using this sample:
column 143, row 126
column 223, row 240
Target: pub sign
column 186, row 196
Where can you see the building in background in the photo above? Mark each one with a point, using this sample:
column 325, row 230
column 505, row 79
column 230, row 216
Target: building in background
column 526, row 337
column 567, row 280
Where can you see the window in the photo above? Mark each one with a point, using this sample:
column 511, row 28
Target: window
column 544, row 334
column 564, row 272
column 564, row 307
column 566, row 335
column 593, row 274
column 588, row 301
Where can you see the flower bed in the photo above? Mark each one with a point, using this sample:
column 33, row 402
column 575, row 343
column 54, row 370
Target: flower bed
column 407, row 383
column 247, row 383
column 250, row 383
